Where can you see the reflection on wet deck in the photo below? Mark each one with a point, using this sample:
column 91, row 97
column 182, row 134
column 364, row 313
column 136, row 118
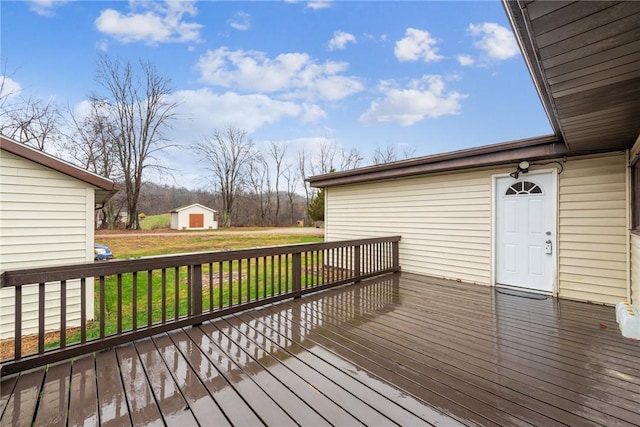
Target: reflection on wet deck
column 406, row 350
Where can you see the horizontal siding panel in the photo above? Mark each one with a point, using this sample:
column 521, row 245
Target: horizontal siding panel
column 590, row 297
column 602, row 273
column 596, row 251
column 597, row 205
column 589, row 189
column 594, row 179
column 579, row 238
column 604, row 264
column 596, row 281
column 40, row 239
column 449, row 273
column 594, row 230
column 595, row 197
column 582, row 213
column 612, row 221
column 39, row 216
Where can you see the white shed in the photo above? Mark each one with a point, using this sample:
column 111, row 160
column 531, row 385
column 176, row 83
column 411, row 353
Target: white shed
column 194, row 217
column 47, row 211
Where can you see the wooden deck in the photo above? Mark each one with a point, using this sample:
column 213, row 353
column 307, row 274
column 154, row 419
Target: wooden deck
column 404, row 349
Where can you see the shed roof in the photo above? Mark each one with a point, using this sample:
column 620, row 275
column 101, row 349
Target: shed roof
column 191, row 206
column 584, row 59
column 104, row 187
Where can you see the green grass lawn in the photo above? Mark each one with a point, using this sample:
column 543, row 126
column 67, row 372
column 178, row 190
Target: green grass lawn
column 154, row 222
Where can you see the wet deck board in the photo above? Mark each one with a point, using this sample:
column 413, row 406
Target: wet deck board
column 404, row 350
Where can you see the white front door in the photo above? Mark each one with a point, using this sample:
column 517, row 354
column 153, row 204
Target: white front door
column 525, row 231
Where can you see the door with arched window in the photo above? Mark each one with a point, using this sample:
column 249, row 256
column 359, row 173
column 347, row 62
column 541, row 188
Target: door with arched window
column 525, row 231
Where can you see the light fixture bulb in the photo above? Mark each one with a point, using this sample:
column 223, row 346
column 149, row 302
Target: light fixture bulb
column 524, row 165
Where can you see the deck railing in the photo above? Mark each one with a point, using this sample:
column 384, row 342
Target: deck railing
column 137, row 298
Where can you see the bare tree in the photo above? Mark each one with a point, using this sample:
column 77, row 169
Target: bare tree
column 142, row 111
column 302, row 175
column 227, row 155
column 33, row 121
column 292, row 183
column 277, row 152
column 92, row 144
column 260, row 182
column 384, row 155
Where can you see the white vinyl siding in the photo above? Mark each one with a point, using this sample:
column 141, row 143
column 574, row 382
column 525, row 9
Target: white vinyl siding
column 593, row 229
column 46, row 219
column 444, row 221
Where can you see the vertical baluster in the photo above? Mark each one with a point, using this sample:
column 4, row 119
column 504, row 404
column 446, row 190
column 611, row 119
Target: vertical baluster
column 134, row 300
column 296, row 273
column 220, row 277
column 248, row 279
column 272, row 277
column 17, row 342
column 286, row 272
column 240, row 281
column 163, row 279
column 189, row 286
column 230, row 265
column 41, row 329
column 63, row 313
column 83, row 310
column 264, row 277
column 210, row 286
column 279, row 274
column 102, row 307
column 119, row 305
column 257, row 279
column 149, row 298
column 176, row 293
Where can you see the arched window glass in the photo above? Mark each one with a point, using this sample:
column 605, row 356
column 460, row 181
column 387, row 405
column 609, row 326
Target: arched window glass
column 523, row 187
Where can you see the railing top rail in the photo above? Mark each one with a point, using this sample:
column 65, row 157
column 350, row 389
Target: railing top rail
column 27, row 276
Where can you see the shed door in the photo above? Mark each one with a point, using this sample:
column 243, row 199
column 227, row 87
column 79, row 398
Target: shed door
column 525, row 235
column 196, row 220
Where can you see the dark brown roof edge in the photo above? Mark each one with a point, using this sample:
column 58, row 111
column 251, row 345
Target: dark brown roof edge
column 61, row 166
column 488, row 155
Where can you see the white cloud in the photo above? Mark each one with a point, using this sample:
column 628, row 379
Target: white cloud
column 9, row 88
column 204, row 110
column 465, row 60
column 496, row 41
column 421, row 99
column 45, row 7
column 340, row 40
column 319, row 4
column 292, row 75
column 151, row 23
column 417, row 45
column 241, row 21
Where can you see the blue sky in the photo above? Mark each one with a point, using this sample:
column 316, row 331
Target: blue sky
column 434, row 76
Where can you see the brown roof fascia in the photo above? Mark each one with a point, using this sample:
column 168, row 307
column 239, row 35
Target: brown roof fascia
column 490, row 155
column 45, row 159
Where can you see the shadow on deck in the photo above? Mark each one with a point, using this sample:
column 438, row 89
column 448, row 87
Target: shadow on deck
column 402, row 349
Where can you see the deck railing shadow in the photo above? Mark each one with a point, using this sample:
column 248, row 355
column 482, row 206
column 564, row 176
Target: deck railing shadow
column 105, row 304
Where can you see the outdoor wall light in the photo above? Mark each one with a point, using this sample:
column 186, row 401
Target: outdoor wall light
column 523, row 167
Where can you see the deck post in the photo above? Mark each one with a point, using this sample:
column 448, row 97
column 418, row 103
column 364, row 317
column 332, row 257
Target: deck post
column 396, row 255
column 196, row 289
column 296, row 274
